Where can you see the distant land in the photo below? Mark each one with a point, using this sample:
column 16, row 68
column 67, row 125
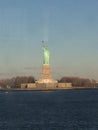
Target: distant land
column 15, row 82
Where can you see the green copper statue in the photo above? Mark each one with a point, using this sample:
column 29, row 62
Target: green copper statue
column 46, row 55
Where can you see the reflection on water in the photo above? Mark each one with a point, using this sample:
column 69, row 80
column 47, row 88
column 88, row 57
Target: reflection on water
column 49, row 110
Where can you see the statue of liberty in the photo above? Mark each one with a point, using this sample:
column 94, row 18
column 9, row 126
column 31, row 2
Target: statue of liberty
column 46, row 54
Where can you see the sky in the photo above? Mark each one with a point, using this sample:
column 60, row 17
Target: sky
column 68, row 27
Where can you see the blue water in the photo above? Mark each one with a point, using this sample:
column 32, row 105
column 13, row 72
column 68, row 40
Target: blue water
column 49, row 110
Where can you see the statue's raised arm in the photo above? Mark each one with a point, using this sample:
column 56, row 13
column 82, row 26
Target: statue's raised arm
column 46, row 55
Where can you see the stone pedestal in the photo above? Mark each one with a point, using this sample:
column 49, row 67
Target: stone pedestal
column 46, row 72
column 46, row 78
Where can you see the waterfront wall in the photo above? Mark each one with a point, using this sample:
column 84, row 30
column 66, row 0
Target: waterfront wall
column 46, row 85
column 28, row 85
column 64, row 85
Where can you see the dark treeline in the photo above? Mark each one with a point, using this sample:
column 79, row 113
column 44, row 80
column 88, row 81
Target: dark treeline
column 79, row 82
column 15, row 82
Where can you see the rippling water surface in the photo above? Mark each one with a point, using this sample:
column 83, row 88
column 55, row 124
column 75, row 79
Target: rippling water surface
column 49, row 110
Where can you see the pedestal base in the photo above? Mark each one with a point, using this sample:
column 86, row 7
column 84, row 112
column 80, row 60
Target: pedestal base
column 46, row 78
column 46, row 72
column 47, row 81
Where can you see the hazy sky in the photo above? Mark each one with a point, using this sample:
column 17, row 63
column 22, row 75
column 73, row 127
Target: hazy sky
column 69, row 27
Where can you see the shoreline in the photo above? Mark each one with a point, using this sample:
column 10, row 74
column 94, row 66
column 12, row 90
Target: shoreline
column 49, row 89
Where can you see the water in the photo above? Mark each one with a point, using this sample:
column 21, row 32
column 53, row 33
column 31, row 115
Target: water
column 49, row 110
